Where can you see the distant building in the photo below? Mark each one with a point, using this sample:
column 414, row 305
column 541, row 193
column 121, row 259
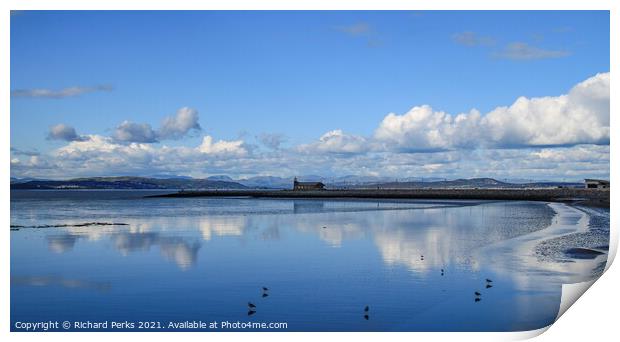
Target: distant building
column 307, row 185
column 597, row 184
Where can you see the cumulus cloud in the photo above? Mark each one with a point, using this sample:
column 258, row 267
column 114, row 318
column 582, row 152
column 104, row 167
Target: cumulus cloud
column 134, row 132
column 222, row 147
column 173, row 127
column 336, row 142
column 424, row 130
column 17, row 151
column 469, row 38
column 579, row 117
column 544, row 138
column 59, row 94
column 177, row 126
column 523, row 51
column 102, row 155
column 64, row 132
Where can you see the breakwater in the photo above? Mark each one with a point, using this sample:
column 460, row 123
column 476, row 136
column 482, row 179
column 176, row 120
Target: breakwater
column 542, row 194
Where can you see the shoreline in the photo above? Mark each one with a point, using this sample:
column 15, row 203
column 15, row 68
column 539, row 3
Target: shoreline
column 585, row 197
column 585, row 244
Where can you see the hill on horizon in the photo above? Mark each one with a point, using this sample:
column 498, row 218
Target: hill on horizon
column 269, row 182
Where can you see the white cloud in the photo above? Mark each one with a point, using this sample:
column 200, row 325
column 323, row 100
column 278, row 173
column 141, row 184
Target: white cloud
column 336, row 142
column 423, row 129
column 579, row 117
column 177, row 126
column 222, row 147
column 58, row 94
column 561, row 137
column 172, row 127
column 523, row 51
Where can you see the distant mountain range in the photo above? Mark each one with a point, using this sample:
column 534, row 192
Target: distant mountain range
column 126, row 183
column 270, row 182
column 479, row 183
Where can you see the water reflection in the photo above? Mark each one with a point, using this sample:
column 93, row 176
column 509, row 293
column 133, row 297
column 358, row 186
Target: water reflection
column 61, row 243
column 222, row 226
column 300, row 207
column 59, row 281
column 321, row 259
column 181, row 251
column 447, row 237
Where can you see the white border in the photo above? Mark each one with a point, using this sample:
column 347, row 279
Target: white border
column 593, row 316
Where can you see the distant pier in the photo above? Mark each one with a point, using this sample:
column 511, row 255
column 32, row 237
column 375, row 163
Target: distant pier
column 543, row 194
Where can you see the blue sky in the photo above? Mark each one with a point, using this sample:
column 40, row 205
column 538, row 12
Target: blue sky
column 290, row 78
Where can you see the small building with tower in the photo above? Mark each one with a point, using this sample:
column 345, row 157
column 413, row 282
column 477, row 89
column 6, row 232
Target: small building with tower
column 304, row 186
column 596, row 184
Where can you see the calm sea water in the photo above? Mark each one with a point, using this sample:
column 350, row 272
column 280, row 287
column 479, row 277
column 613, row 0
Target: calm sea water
column 204, row 259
